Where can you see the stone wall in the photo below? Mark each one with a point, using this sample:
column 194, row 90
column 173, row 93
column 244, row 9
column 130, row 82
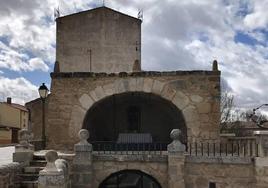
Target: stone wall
column 156, row 166
column 195, row 93
column 232, row 172
column 35, row 120
column 98, row 40
column 8, row 174
column 198, row 172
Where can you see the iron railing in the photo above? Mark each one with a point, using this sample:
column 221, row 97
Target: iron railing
column 129, row 148
column 246, row 148
column 239, row 148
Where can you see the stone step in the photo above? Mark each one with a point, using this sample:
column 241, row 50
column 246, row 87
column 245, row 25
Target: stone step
column 32, row 169
column 28, row 177
column 39, row 157
column 38, row 163
column 28, row 184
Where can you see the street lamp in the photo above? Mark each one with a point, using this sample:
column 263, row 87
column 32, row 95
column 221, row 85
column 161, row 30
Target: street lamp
column 43, row 92
column 258, row 119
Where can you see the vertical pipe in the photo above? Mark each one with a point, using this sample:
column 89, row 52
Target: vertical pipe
column 90, row 60
column 114, row 117
column 43, row 124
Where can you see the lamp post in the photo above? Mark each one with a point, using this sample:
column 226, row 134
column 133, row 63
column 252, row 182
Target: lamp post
column 43, row 92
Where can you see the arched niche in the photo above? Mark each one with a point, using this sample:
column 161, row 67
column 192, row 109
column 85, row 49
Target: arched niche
column 134, row 112
column 130, row 179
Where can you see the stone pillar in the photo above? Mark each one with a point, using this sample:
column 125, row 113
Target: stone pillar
column 24, row 150
column 176, row 160
column 262, row 140
column 51, row 176
column 82, row 163
column 215, row 66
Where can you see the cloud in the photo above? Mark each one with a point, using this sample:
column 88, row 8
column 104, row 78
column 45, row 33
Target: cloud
column 258, row 17
column 20, row 89
column 176, row 35
column 19, row 61
column 37, row 63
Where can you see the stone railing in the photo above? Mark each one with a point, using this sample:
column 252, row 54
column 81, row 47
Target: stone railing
column 8, row 174
column 24, row 150
column 56, row 172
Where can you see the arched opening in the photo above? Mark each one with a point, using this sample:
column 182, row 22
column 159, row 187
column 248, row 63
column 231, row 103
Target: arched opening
column 130, row 179
column 134, row 117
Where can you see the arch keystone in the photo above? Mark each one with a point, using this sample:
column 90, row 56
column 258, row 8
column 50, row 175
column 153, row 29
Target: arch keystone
column 148, row 85
column 86, row 101
column 180, row 100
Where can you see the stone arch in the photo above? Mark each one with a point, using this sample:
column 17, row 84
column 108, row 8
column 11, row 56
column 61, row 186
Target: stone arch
column 132, row 172
column 134, row 112
column 134, row 84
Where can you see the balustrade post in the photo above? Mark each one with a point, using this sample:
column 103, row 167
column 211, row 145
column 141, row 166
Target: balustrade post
column 176, row 160
column 82, row 163
column 262, row 140
column 24, row 150
column 55, row 174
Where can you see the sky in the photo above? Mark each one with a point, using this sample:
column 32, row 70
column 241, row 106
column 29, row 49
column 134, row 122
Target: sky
column 176, row 35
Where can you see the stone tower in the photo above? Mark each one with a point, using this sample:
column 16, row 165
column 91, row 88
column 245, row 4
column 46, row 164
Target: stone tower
column 98, row 40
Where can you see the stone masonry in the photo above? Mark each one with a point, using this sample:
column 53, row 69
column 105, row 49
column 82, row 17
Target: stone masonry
column 195, row 93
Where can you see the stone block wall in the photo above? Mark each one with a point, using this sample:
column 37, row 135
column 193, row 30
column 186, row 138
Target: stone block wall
column 224, row 172
column 35, row 120
column 103, row 166
column 8, row 174
column 195, row 93
column 197, row 172
column 98, row 40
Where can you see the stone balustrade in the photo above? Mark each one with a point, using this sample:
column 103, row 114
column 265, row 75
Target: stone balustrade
column 8, row 174
column 82, row 162
column 24, row 150
column 56, row 172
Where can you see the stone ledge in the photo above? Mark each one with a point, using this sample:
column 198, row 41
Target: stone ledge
column 133, row 157
column 219, row 160
column 131, row 74
column 10, row 167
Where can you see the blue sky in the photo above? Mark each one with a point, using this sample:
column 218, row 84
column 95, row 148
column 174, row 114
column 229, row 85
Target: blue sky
column 176, row 35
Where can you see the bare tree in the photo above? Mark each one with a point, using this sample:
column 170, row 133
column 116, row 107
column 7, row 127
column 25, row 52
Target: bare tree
column 227, row 105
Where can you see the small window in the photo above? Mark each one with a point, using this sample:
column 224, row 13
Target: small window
column 134, row 118
column 212, row 185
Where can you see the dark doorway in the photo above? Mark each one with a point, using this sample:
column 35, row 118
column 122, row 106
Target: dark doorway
column 142, row 116
column 130, row 179
column 14, row 136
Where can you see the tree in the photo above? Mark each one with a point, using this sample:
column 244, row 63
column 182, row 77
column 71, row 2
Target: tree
column 227, row 105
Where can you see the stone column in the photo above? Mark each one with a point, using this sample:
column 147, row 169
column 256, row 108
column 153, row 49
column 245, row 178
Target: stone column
column 24, row 150
column 51, row 176
column 82, row 163
column 176, row 160
column 262, row 140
